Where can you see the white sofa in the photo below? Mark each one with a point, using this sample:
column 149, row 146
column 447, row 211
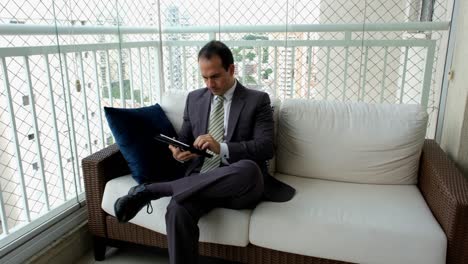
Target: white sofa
column 355, row 167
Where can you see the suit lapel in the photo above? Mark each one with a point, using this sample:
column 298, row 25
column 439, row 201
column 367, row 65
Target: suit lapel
column 236, row 107
column 205, row 107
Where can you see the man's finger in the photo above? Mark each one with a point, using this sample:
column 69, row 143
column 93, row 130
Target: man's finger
column 193, row 155
column 205, row 145
column 199, row 143
column 174, row 149
column 186, row 155
column 195, row 143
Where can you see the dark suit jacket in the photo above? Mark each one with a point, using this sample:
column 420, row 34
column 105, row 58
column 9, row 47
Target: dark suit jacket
column 249, row 136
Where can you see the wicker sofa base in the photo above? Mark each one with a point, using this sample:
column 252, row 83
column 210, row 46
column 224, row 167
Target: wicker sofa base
column 442, row 185
column 249, row 254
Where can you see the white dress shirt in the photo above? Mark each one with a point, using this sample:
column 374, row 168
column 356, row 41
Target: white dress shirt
column 224, row 151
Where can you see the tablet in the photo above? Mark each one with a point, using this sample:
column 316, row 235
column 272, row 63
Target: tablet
column 170, row 141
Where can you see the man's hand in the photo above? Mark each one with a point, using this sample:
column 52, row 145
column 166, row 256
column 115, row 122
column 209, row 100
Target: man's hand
column 182, row 155
column 207, row 142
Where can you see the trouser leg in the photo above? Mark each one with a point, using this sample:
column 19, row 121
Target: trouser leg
column 240, row 186
column 241, row 182
column 228, row 181
column 182, row 230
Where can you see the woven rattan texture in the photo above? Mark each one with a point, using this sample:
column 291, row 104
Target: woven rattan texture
column 98, row 169
column 446, row 192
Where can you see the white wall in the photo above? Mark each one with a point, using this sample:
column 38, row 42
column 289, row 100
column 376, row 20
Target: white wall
column 455, row 131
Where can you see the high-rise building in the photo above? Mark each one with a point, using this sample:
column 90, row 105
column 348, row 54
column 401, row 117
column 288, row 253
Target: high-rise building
column 291, row 66
column 174, row 68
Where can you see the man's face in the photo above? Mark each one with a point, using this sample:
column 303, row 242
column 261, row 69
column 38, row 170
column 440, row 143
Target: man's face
column 216, row 78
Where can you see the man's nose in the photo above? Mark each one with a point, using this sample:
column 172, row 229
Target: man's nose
column 210, row 83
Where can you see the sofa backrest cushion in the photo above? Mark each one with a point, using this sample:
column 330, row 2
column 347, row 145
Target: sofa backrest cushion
column 350, row 142
column 173, row 104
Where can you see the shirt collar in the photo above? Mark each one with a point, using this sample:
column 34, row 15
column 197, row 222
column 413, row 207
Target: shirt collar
column 229, row 93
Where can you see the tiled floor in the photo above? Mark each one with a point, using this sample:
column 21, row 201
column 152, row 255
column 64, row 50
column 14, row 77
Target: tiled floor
column 138, row 256
column 124, row 256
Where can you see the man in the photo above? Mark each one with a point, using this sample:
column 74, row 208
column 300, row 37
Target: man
column 236, row 125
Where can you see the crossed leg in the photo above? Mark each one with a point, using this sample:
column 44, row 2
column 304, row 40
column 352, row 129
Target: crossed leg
column 237, row 186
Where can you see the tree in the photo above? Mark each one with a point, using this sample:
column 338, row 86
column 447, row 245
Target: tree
column 115, row 90
column 265, row 55
column 236, row 53
column 254, row 37
column 251, row 56
column 267, row 73
column 250, row 80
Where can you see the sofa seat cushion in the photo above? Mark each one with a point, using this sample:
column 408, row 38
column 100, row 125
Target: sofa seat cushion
column 359, row 223
column 221, row 225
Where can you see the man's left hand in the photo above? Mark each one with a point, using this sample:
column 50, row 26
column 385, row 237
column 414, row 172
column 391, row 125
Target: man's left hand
column 207, row 142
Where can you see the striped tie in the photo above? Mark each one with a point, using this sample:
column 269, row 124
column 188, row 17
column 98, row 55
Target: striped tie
column 216, row 130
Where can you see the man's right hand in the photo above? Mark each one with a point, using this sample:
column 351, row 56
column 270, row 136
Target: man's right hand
column 182, row 155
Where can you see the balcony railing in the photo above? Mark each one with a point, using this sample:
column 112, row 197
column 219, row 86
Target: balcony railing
column 52, row 96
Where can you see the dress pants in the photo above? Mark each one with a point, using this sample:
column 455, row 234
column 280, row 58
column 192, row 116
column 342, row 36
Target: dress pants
column 236, row 186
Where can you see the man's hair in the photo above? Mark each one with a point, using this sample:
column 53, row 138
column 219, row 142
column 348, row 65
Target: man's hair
column 217, row 48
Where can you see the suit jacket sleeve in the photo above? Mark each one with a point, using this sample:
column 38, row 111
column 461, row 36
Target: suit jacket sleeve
column 185, row 133
column 260, row 147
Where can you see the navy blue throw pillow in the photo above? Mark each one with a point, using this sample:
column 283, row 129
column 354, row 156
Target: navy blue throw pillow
column 134, row 130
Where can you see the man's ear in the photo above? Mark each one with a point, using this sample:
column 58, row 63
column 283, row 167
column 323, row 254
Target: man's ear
column 231, row 69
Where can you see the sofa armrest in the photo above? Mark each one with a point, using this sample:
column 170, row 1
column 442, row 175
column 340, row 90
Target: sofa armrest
column 98, row 169
column 445, row 190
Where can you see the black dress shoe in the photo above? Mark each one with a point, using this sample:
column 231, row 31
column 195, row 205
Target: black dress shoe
column 126, row 207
